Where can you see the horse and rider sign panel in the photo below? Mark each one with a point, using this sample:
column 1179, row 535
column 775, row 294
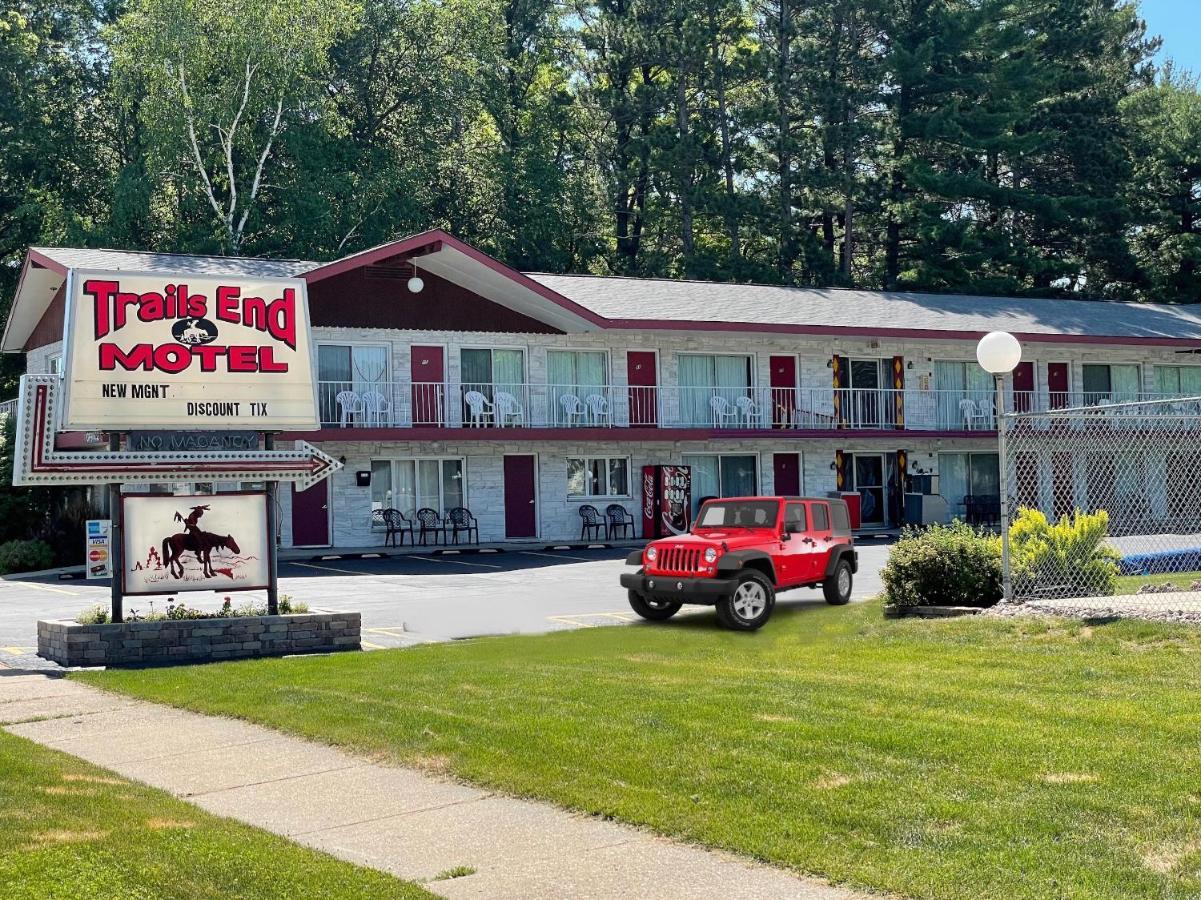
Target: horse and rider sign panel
column 200, row 542
column 188, row 352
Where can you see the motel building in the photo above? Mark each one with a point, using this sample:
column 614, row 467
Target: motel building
column 447, row 379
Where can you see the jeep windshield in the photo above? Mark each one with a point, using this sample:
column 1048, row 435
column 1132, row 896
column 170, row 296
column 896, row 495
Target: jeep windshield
column 739, row 514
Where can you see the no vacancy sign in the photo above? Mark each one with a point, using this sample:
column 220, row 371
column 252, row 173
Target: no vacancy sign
column 157, row 351
column 202, row 542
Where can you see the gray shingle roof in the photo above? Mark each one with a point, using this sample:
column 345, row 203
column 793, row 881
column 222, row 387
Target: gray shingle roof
column 683, row 301
column 132, row 261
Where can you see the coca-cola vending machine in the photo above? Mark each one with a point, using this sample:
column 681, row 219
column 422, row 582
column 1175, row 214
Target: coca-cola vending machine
column 666, row 500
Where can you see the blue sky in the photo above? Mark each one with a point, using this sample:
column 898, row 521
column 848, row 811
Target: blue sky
column 1178, row 22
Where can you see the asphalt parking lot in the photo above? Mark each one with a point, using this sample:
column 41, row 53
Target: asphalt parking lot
column 414, row 598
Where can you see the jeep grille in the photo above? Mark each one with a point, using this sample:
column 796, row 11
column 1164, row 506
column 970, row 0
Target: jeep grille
column 678, row 559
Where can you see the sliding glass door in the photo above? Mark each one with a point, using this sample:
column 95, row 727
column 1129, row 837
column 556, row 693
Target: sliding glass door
column 487, row 373
column 710, row 387
column 575, row 379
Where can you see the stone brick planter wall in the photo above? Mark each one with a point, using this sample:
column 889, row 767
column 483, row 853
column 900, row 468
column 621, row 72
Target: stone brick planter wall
column 169, row 641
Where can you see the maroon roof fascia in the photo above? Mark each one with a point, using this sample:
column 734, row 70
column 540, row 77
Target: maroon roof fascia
column 43, row 261
column 417, row 242
column 858, row 331
column 617, row 435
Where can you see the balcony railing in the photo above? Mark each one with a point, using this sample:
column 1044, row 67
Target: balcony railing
column 521, row 405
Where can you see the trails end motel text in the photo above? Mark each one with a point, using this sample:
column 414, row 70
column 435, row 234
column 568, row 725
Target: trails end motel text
column 524, row 397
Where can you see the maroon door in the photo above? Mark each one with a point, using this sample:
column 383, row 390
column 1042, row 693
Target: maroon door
column 643, row 380
column 787, row 467
column 310, row 515
column 1057, row 384
column 427, row 370
column 1023, row 387
column 521, row 512
column 783, row 392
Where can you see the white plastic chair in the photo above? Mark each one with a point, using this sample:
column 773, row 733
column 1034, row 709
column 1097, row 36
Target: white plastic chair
column 971, row 413
column 573, row 409
column 748, row 410
column 349, row 404
column 722, row 411
column 478, row 406
column 598, row 408
column 507, row 408
column 375, row 407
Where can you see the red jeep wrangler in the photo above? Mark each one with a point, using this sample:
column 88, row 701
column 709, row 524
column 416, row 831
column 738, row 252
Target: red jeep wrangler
column 741, row 552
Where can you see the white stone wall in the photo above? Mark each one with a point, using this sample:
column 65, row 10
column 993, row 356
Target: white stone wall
column 558, row 516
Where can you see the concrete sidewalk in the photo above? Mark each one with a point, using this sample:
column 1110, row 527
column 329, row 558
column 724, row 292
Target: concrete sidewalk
column 398, row 820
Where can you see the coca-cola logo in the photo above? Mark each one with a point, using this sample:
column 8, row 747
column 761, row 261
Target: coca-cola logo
column 648, row 495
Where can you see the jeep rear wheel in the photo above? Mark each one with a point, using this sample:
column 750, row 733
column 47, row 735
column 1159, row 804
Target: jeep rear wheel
column 837, row 587
column 655, row 610
column 750, row 605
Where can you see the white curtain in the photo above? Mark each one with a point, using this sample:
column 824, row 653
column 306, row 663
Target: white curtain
column 560, row 374
column 1125, row 383
column 381, row 484
column 370, row 366
column 953, row 482
column 985, row 475
column 404, row 491
column 429, row 483
column 950, row 383
column 706, row 480
column 508, row 371
column 577, row 373
column 696, row 380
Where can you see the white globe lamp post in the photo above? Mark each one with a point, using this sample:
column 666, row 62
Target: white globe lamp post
column 999, row 354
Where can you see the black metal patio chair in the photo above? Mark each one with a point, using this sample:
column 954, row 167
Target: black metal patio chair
column 460, row 520
column 429, row 522
column 591, row 521
column 619, row 520
column 395, row 524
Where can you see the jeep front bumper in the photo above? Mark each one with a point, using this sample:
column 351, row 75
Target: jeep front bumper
column 679, row 589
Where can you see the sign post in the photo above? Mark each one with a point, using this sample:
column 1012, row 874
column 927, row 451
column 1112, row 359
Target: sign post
column 118, row 542
column 272, row 530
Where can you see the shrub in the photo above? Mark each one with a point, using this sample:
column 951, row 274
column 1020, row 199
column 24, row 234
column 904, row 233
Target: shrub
column 1066, row 559
column 25, row 556
column 97, row 614
column 944, row 565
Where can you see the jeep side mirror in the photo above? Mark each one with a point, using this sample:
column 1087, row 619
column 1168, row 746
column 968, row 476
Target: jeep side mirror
column 786, row 535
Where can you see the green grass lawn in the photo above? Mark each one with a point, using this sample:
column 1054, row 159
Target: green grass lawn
column 957, row 758
column 1129, row 584
column 70, row 830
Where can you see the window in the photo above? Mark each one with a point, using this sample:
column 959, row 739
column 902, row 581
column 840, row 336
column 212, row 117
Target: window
column 842, row 518
column 412, row 484
column 576, row 380
column 703, row 378
column 963, row 475
column 344, row 370
column 1109, row 384
column 54, row 364
column 721, row 476
column 868, row 402
column 821, row 516
column 491, row 372
column 1178, row 381
column 956, row 382
column 744, row 514
column 488, row 370
column 794, row 518
column 598, row 476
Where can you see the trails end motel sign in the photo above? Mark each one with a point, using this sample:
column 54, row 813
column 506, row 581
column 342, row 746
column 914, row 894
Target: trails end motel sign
column 188, row 352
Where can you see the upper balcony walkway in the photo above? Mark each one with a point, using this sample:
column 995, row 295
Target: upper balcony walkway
column 521, row 407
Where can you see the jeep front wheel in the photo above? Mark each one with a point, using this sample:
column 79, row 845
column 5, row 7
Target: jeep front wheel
column 837, row 587
column 655, row 610
column 750, row 605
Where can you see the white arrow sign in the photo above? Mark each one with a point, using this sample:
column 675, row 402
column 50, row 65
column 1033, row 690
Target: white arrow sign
column 36, row 461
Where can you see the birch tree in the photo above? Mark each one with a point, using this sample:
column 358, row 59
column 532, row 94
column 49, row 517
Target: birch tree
column 222, row 80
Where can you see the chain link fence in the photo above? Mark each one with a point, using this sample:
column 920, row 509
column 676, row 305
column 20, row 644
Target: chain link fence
column 1105, row 509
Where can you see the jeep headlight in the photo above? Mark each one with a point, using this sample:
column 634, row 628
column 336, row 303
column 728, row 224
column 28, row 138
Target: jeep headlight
column 710, row 554
column 651, row 554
